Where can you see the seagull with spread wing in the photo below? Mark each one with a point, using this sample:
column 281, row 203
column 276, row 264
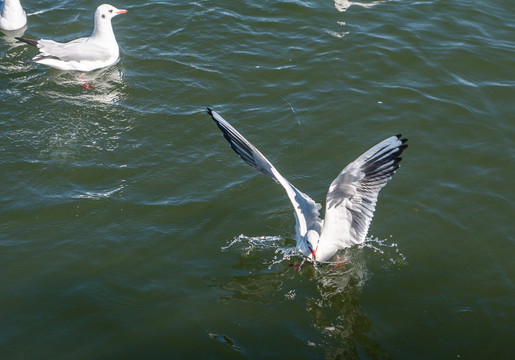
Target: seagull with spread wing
column 350, row 201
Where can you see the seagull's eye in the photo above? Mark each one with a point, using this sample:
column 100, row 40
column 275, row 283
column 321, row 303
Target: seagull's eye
column 111, row 10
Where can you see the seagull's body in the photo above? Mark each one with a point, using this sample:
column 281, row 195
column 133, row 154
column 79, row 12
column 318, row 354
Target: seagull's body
column 85, row 54
column 12, row 15
column 350, row 201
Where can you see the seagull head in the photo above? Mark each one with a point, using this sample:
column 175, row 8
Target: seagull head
column 313, row 255
column 106, row 11
column 312, row 241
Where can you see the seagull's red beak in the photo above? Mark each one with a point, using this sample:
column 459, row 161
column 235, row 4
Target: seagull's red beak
column 313, row 252
column 122, row 11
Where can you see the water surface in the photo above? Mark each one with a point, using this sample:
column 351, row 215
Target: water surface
column 129, row 228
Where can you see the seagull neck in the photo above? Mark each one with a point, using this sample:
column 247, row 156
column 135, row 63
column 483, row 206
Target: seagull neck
column 103, row 30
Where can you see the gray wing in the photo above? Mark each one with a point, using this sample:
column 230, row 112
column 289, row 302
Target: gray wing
column 306, row 210
column 352, row 196
column 76, row 50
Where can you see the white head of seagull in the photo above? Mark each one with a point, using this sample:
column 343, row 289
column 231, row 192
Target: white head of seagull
column 84, row 54
column 350, row 201
column 103, row 15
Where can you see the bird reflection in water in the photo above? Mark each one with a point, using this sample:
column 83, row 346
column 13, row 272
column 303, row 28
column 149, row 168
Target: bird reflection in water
column 337, row 312
column 330, row 295
column 104, row 86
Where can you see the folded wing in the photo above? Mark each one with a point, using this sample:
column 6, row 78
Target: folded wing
column 77, row 50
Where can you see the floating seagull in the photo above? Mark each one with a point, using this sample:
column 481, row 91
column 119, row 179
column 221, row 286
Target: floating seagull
column 84, row 54
column 12, row 15
column 350, row 201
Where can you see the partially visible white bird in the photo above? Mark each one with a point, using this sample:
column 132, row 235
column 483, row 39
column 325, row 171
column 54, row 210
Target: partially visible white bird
column 350, row 201
column 84, row 54
column 12, row 15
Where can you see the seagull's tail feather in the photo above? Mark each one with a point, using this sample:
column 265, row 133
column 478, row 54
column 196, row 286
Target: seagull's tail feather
column 28, row 41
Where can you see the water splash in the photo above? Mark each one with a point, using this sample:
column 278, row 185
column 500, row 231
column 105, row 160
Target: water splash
column 386, row 247
column 262, row 245
column 252, row 242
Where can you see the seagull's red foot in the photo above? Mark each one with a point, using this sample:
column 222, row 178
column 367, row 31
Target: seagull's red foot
column 341, row 265
column 296, row 267
column 86, row 86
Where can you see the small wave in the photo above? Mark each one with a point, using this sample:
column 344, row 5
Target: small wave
column 343, row 5
column 39, row 12
column 339, row 34
column 95, row 195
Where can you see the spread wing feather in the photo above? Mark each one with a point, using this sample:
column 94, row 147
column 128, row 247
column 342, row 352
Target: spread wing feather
column 352, row 196
column 306, row 210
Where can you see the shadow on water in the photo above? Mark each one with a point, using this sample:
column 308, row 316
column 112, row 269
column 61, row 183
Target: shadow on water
column 329, row 295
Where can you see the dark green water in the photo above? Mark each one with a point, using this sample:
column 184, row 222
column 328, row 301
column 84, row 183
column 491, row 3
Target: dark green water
column 121, row 208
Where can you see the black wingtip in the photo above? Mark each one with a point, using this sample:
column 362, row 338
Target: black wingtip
column 209, row 111
column 399, row 136
column 28, row 41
